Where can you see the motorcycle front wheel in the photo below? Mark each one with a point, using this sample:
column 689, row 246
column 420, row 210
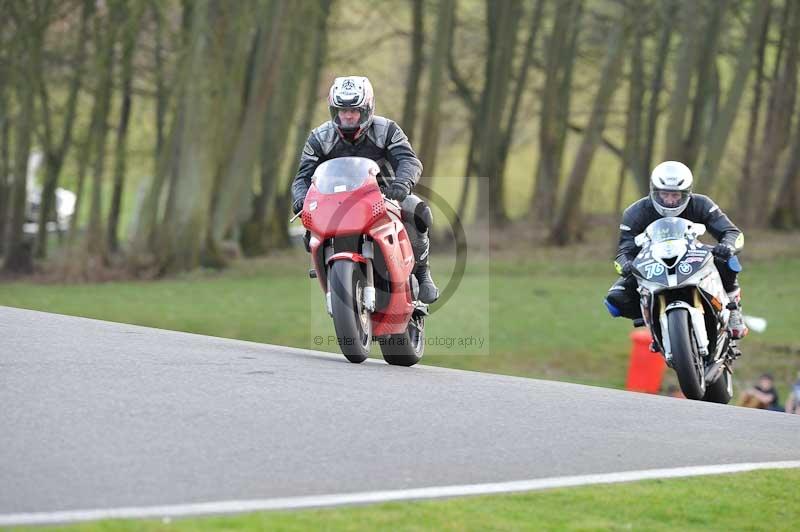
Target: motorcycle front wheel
column 687, row 363
column 353, row 323
column 721, row 390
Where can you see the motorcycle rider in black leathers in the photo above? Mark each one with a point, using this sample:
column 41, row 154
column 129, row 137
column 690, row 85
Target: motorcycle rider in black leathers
column 671, row 195
column 355, row 131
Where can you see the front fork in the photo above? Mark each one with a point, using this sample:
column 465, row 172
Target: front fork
column 695, row 313
column 368, row 251
column 698, row 327
column 727, row 351
column 366, row 257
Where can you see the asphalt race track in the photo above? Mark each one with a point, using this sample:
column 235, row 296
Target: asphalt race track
column 98, row 415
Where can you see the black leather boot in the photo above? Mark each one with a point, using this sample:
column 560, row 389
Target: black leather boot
column 428, row 292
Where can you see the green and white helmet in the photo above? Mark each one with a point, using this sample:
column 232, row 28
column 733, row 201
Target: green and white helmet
column 671, row 187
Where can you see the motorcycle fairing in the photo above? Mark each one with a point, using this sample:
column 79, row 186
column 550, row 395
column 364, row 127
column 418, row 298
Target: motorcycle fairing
column 363, row 211
column 343, row 213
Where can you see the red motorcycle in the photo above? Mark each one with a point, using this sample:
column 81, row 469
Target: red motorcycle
column 363, row 260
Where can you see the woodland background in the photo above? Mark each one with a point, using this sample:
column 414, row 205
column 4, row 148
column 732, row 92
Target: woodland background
column 178, row 124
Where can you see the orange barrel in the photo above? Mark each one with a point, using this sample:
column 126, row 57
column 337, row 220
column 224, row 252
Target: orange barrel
column 646, row 369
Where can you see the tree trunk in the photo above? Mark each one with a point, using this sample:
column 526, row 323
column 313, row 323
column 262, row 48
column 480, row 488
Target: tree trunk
column 145, row 231
column 567, row 223
column 105, row 42
column 18, row 257
column 239, row 168
column 464, row 92
column 632, row 155
column 151, row 210
column 704, row 94
column 755, row 114
column 432, row 116
column 490, row 188
column 5, row 150
column 55, row 154
column 519, row 88
column 720, row 129
column 786, row 214
column 319, row 56
column 782, row 199
column 84, row 156
column 312, row 99
column 555, row 103
column 228, row 64
column 778, row 63
column 24, row 57
column 262, row 229
column 184, row 228
column 162, row 93
column 476, row 108
column 415, row 69
column 120, row 160
column 778, row 127
column 172, row 165
column 668, row 9
column 674, row 148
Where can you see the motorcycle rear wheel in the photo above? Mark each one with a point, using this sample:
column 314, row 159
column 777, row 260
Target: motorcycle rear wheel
column 687, row 363
column 353, row 323
column 405, row 349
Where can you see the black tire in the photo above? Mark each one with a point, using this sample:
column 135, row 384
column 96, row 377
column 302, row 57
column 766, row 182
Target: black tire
column 687, row 363
column 405, row 349
column 352, row 322
column 721, row 390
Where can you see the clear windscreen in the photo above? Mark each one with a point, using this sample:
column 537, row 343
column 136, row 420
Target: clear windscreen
column 344, row 174
column 667, row 229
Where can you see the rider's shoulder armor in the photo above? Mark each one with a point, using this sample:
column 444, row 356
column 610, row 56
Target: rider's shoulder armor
column 701, row 206
column 378, row 132
column 327, row 136
column 642, row 205
column 639, row 215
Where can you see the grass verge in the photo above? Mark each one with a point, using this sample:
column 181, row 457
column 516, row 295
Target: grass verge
column 538, row 315
column 745, row 501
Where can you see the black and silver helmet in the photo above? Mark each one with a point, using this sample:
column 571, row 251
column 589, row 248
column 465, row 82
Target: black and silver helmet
column 352, row 92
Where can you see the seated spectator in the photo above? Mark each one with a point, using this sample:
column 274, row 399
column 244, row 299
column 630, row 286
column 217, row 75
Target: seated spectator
column 762, row 395
column 793, row 402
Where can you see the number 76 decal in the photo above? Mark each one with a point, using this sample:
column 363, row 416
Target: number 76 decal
column 653, row 270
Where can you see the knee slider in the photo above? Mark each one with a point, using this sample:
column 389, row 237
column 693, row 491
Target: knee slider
column 416, row 211
column 612, row 308
column 617, row 300
column 621, row 304
column 423, row 217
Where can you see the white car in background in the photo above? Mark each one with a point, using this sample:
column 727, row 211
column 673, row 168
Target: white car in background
column 65, row 201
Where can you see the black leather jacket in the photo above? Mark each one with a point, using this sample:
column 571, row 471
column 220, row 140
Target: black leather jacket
column 384, row 142
column 701, row 209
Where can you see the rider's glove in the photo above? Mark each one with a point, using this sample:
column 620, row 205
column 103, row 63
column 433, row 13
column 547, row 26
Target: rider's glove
column 398, row 190
column 722, row 251
column 297, row 206
column 626, row 270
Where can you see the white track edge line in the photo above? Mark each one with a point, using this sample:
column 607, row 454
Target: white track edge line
column 316, row 501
